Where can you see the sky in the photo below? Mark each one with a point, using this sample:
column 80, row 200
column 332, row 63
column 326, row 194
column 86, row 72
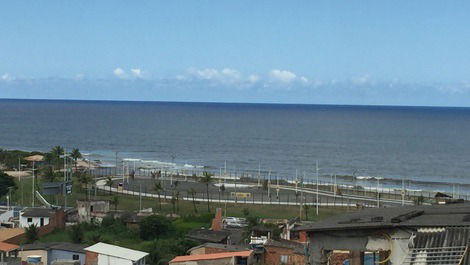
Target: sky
column 397, row 52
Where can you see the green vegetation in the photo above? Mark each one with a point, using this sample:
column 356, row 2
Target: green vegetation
column 6, row 183
column 32, row 233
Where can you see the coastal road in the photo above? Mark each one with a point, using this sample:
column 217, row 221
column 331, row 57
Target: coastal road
column 189, row 189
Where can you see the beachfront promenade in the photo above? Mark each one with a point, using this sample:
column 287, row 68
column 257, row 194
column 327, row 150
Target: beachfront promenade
column 190, row 189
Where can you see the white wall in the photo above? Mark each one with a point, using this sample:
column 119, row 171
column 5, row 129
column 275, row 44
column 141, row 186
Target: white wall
column 109, row 260
column 35, row 220
column 4, row 217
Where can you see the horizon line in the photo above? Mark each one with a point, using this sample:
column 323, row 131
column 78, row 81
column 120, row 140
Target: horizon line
column 236, row 102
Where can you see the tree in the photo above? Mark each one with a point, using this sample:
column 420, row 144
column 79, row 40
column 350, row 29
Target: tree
column 48, row 174
column 32, row 233
column 76, row 234
column 75, row 155
column 207, row 180
column 6, row 182
column 55, row 154
column 157, row 187
column 115, row 202
column 154, row 226
column 109, row 182
column 192, row 191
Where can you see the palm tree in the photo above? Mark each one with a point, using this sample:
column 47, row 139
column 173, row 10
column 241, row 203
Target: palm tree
column 158, row 189
column 109, row 182
column 56, row 152
column 32, row 233
column 115, row 202
column 192, row 191
column 75, row 155
column 85, row 180
column 207, row 180
column 48, row 174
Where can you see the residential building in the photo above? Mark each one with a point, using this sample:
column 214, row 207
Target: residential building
column 106, row 254
column 37, row 216
column 52, row 252
column 432, row 234
column 210, row 248
column 223, row 258
column 92, row 211
column 284, row 252
column 9, row 254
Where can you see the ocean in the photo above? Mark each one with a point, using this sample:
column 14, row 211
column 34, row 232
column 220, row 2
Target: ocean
column 429, row 147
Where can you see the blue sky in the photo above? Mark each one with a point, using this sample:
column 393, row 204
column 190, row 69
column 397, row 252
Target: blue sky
column 336, row 52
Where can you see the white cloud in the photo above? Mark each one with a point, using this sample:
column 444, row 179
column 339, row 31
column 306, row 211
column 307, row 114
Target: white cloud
column 225, row 75
column 136, row 72
column 120, row 73
column 7, row 77
column 79, row 76
column 361, row 80
column 282, row 75
column 253, row 78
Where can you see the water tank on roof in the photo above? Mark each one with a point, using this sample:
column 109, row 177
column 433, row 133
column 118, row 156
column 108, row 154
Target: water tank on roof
column 34, row 259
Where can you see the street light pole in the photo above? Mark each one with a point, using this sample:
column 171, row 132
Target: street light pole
column 317, row 188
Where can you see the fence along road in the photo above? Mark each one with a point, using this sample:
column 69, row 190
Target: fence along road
column 352, row 200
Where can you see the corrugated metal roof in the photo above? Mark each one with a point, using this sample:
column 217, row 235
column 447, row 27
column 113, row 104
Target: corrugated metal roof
column 221, row 255
column 414, row 216
column 441, row 245
column 116, row 251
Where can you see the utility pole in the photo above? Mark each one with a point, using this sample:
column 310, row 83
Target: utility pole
column 33, row 186
column 19, row 179
column 269, row 185
column 317, row 188
column 402, row 192
column 259, row 173
column 65, row 179
column 378, row 193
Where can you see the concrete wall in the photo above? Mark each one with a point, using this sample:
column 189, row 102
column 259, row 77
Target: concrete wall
column 55, row 254
column 92, row 210
column 24, row 255
column 226, row 261
column 109, row 260
column 4, row 217
column 35, row 220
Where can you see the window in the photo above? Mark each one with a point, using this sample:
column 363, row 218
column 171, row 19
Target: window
column 30, row 219
column 91, row 208
column 284, row 259
column 75, row 257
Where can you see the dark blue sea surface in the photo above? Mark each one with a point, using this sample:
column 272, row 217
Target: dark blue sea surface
column 424, row 144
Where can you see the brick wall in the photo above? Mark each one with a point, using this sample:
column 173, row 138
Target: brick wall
column 91, row 258
column 272, row 256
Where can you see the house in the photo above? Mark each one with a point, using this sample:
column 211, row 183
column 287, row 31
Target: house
column 432, row 234
column 202, row 235
column 284, row 252
column 210, row 248
column 9, row 254
column 104, row 254
column 52, row 252
column 37, row 216
column 91, row 211
column 223, row 258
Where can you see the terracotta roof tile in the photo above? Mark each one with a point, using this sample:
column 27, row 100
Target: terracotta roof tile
column 221, row 255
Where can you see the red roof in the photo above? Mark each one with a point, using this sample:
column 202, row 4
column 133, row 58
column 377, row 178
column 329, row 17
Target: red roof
column 5, row 247
column 221, row 255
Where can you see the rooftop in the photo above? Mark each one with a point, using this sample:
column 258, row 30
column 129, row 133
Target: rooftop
column 208, row 235
column 295, row 246
column 408, row 216
column 116, row 251
column 37, row 212
column 219, row 246
column 6, row 247
column 55, row 245
column 7, row 233
column 221, row 255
